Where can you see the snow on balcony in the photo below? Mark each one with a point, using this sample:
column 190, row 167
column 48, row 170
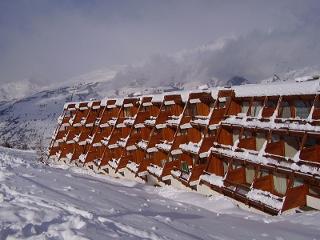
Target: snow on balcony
column 143, row 144
column 212, row 179
column 161, row 125
column 151, row 121
column 131, row 148
column 105, row 140
column 266, row 198
column 165, row 145
column 176, row 173
column 121, row 125
column 82, row 157
column 122, row 142
column 83, row 120
column 271, row 125
column 191, row 147
column 90, row 139
column 167, row 103
column 151, row 150
column 176, row 151
column 72, row 119
column 112, row 121
column 260, row 159
column 139, row 125
column 111, row 106
column 76, row 138
column 114, row 162
column 202, row 120
column 129, row 121
column 69, row 156
column 147, row 104
column 195, row 100
column 174, row 120
column 155, row 169
column 97, row 162
column 133, row 166
column 185, row 126
column 115, row 145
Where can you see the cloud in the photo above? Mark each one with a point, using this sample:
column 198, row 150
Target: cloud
column 50, row 41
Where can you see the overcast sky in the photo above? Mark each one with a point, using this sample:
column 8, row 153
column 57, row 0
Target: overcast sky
column 49, row 41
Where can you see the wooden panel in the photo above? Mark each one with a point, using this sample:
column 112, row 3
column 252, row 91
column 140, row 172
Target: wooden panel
column 217, row 115
column 215, row 166
column 237, row 176
column 170, row 166
column 295, row 197
column 225, row 137
column 197, row 171
column 264, row 183
column 311, row 154
column 276, row 148
column 248, row 143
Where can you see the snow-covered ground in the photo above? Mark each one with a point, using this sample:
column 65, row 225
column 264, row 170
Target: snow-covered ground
column 38, row 201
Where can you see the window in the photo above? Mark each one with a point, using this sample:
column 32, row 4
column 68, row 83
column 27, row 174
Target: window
column 256, row 108
column 225, row 167
column 260, row 140
column 193, row 110
column 235, row 135
column 291, row 146
column 245, row 107
column 275, row 138
column 302, row 109
column 247, row 134
column 126, row 112
column 298, row 182
column 250, row 173
column 311, row 141
column 314, row 190
column 271, row 104
column 263, row 173
column 163, row 162
column 285, row 111
column 280, row 183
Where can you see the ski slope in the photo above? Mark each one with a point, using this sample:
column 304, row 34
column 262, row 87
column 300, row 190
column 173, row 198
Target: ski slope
column 39, row 201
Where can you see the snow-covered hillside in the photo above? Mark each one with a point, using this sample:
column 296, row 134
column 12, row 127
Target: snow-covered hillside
column 53, row 202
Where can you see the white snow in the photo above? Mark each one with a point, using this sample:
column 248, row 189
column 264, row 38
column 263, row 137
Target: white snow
column 266, row 198
column 155, row 169
column 165, row 145
column 212, row 179
column 271, row 124
column 151, row 121
column 191, row 147
column 60, row 202
column 169, row 103
column 174, row 120
column 114, row 162
column 185, row 126
column 133, row 166
column 143, row 144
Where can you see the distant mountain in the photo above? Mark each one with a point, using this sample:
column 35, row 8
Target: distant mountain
column 31, row 120
column 236, row 81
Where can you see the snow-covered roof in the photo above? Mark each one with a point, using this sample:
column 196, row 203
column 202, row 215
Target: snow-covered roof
column 277, row 89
